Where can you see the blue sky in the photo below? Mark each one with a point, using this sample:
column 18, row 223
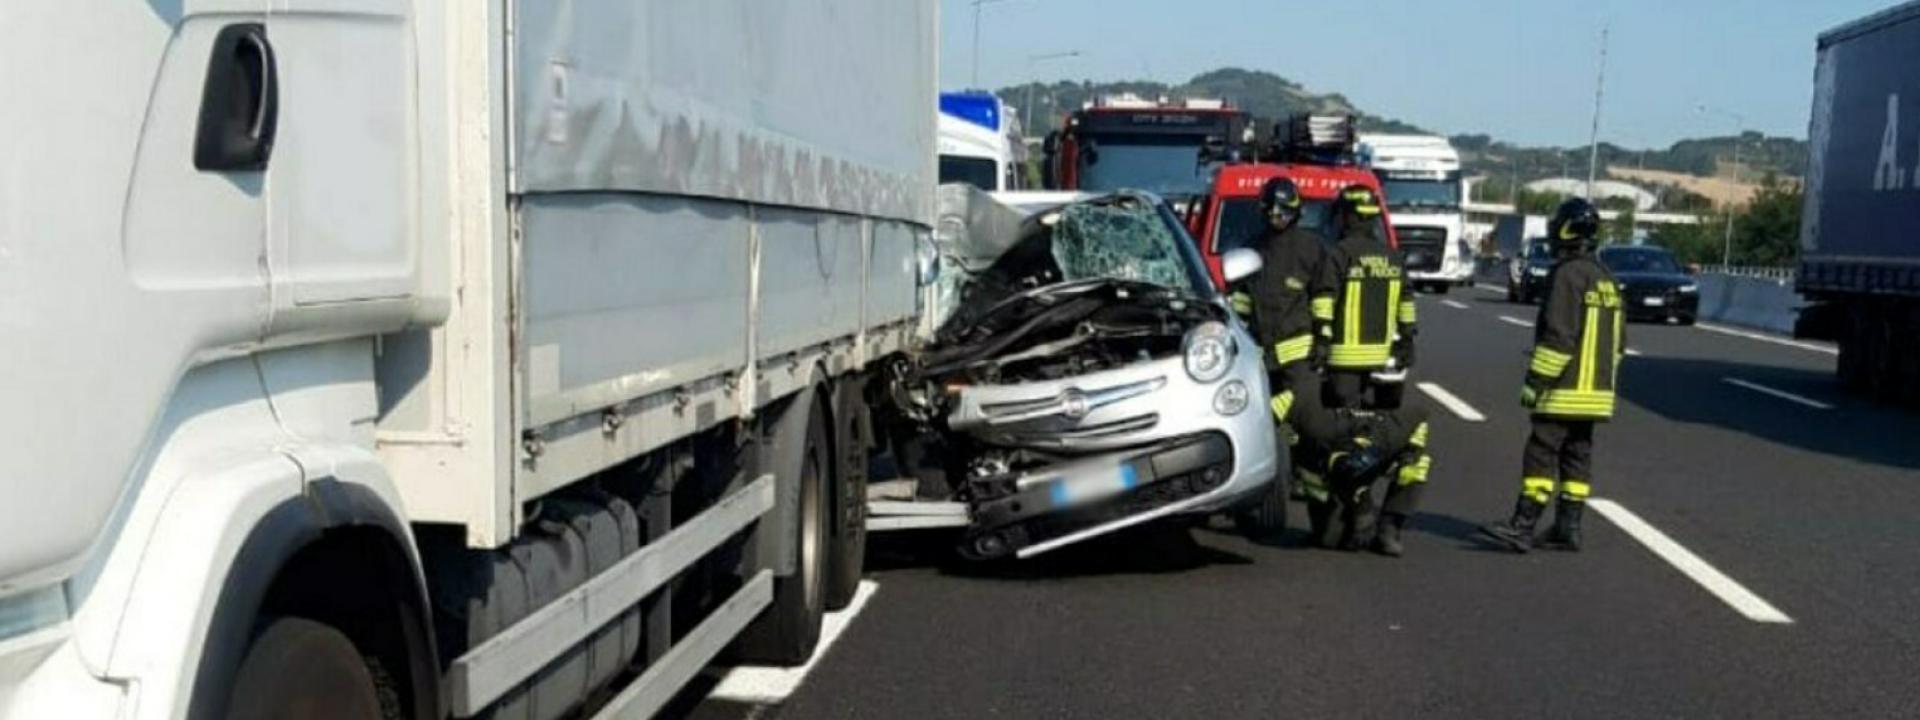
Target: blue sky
column 1522, row 70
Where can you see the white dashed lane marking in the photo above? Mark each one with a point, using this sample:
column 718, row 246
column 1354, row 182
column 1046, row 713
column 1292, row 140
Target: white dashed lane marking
column 1451, row 402
column 1782, row 394
column 1729, row 591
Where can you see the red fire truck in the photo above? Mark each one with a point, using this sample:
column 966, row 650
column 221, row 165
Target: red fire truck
column 1168, row 147
column 1316, row 152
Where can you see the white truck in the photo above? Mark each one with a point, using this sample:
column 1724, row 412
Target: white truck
column 979, row 142
column 1420, row 177
column 375, row 358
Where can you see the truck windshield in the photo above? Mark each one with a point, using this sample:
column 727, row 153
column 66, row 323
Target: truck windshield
column 1425, row 194
column 976, row 171
column 1168, row 167
column 1241, row 224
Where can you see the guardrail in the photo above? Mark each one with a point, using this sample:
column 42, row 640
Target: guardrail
column 1770, row 273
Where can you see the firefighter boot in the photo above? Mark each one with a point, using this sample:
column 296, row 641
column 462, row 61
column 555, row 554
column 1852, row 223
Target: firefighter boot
column 1516, row 533
column 1564, row 534
column 1386, row 538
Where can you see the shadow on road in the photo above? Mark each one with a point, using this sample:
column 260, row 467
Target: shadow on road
column 1155, row 549
column 1696, row 391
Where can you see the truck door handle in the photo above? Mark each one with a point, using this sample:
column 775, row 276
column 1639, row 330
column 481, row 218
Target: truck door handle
column 240, row 105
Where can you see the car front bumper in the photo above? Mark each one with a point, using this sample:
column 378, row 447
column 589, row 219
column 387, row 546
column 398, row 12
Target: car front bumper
column 1160, row 449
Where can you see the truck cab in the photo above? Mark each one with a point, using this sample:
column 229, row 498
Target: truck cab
column 1420, row 176
column 1228, row 215
column 1167, row 147
column 978, row 142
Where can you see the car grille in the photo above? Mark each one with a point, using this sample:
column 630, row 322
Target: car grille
column 1425, row 248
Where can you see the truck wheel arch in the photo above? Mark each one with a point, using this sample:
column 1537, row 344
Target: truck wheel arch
column 348, row 533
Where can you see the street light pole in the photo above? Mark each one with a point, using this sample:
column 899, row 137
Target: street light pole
column 1031, row 81
column 1739, row 134
column 975, row 83
column 1593, row 138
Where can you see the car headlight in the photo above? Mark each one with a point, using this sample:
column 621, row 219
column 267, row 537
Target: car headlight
column 1690, row 288
column 1209, row 352
column 1537, row 271
column 1232, row 398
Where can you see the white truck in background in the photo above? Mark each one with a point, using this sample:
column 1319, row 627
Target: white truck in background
column 979, row 142
column 1421, row 179
column 375, row 358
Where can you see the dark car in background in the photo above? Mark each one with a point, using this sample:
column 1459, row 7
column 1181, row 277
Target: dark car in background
column 1653, row 284
column 1527, row 273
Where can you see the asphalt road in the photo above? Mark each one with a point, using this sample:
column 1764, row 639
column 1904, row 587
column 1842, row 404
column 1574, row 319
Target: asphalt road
column 1741, row 451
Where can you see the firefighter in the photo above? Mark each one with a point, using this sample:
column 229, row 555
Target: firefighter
column 1351, row 450
column 1278, row 301
column 1367, row 317
column 1579, row 339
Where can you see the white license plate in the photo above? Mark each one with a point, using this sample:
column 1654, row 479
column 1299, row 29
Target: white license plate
column 1093, row 484
column 1655, row 302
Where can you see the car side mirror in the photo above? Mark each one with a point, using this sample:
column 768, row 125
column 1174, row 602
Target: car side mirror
column 1239, row 264
column 1693, row 268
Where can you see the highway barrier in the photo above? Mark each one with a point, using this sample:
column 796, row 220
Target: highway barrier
column 1761, row 303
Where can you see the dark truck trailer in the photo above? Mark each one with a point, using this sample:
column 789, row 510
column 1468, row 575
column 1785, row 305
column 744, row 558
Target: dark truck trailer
column 1860, row 231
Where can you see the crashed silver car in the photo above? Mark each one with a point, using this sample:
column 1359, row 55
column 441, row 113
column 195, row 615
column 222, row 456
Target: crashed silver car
column 1084, row 376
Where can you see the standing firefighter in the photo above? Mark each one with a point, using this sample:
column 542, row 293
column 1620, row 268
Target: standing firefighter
column 1280, row 298
column 1578, row 341
column 1368, row 316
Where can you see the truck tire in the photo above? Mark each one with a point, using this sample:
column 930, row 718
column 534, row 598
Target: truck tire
column 848, row 558
column 1265, row 520
column 789, row 629
column 298, row 668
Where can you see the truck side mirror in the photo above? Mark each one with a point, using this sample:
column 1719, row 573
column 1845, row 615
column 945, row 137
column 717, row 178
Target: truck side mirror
column 1239, row 264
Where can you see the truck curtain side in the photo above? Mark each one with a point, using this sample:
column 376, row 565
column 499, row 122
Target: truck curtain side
column 528, row 358
column 1860, row 264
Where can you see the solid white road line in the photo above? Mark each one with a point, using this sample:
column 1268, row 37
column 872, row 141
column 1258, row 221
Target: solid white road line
column 1763, row 337
column 1455, row 304
column 1782, row 394
column 1511, row 320
column 1727, row 589
column 1497, row 290
column 1456, row 405
column 772, row 685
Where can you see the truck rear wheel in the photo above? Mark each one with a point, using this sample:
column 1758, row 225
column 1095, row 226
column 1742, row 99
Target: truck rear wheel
column 789, row 630
column 298, row 668
column 848, row 558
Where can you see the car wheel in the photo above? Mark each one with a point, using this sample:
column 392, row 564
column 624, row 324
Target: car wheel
column 1266, row 519
column 299, row 668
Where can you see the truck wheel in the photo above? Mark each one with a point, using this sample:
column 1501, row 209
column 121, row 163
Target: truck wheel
column 299, row 668
column 1266, row 519
column 787, row 632
column 849, row 556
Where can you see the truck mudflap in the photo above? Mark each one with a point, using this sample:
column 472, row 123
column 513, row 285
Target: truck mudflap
column 1028, row 513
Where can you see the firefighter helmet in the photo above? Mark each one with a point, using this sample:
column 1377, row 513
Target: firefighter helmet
column 1574, row 224
column 1280, row 202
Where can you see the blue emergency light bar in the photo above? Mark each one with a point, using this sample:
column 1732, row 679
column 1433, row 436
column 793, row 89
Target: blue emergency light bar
column 979, row 108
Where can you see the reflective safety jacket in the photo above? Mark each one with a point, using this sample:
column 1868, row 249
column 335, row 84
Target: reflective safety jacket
column 1292, row 273
column 1577, row 342
column 1366, row 310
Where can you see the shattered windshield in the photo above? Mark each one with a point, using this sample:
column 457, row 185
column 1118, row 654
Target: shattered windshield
column 1126, row 241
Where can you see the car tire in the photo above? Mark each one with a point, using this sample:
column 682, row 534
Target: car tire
column 299, row 668
column 789, row 629
column 1265, row 520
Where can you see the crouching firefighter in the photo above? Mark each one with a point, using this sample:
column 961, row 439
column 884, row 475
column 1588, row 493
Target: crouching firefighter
column 1342, row 453
column 1578, row 341
column 1367, row 318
